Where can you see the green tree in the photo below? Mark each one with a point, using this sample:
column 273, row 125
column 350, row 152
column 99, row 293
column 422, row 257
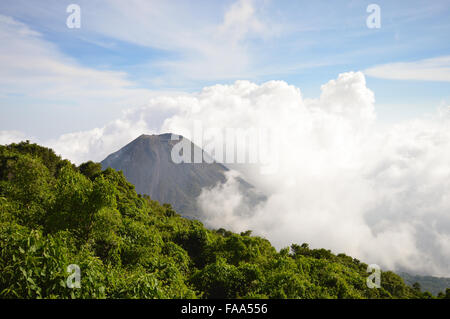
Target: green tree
column 90, row 169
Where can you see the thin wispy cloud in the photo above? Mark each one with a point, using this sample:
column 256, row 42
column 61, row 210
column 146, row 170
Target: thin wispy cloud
column 208, row 48
column 434, row 69
column 31, row 65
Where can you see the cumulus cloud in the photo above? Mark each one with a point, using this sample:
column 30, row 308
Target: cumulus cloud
column 98, row 143
column 341, row 182
column 236, row 208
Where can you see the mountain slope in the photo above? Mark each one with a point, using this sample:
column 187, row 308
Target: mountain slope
column 146, row 162
column 435, row 285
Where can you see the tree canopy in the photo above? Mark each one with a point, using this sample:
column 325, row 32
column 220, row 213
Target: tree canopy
column 54, row 214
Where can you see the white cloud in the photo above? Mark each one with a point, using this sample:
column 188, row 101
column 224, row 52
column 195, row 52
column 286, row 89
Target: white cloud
column 434, row 69
column 98, row 143
column 240, row 20
column 8, row 137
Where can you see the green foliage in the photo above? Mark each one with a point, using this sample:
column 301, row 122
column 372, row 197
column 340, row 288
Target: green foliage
column 54, row 214
column 90, row 169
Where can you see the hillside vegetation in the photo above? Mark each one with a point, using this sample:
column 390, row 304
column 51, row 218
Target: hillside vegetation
column 54, row 214
column 435, row 285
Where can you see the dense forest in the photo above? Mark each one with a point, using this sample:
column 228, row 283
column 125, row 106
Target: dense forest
column 54, row 214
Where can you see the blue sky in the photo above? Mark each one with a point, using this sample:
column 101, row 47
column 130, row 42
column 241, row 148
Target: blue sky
column 57, row 80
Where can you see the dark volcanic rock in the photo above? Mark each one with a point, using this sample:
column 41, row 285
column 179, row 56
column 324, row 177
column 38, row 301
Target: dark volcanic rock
column 146, row 162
